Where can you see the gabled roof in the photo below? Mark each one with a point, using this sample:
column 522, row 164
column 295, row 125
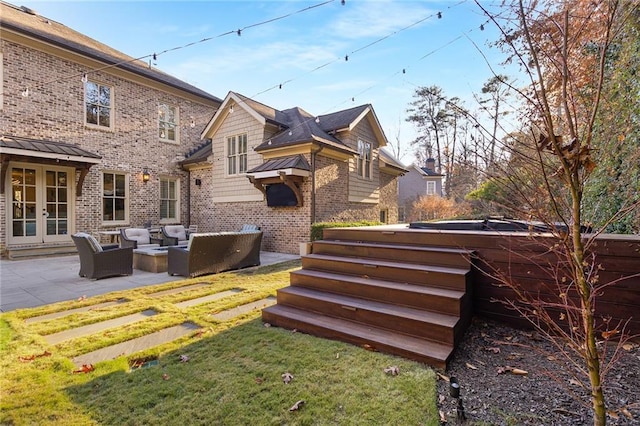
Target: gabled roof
column 302, row 127
column 27, row 22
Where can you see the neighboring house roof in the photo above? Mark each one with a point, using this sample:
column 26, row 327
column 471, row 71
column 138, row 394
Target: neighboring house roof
column 45, row 149
column 26, row 21
column 388, row 163
column 428, row 172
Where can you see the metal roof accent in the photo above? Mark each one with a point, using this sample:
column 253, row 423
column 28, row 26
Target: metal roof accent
column 46, row 149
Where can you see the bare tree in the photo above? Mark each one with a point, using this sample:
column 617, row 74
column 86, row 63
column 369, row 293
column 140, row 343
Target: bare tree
column 553, row 160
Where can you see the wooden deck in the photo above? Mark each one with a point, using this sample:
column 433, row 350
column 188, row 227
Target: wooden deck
column 412, row 292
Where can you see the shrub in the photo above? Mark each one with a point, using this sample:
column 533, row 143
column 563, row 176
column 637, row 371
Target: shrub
column 435, row 207
column 318, row 228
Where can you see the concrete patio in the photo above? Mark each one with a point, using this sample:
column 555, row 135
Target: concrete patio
column 40, row 281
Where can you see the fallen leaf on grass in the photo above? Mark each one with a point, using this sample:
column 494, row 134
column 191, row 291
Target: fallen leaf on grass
column 81, row 298
column 297, row 405
column 267, row 325
column 30, row 358
column 393, row 370
column 369, row 348
column 184, row 358
column 443, row 416
column 628, row 346
column 86, row 368
column 287, row 378
column 165, row 376
column 259, row 380
column 471, row 366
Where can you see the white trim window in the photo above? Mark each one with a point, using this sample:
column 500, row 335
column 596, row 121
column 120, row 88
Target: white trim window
column 169, row 199
column 168, row 123
column 237, row 154
column 98, row 103
column 364, row 159
column 115, row 198
column 431, row 187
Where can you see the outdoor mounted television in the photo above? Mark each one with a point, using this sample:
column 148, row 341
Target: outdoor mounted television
column 280, row 195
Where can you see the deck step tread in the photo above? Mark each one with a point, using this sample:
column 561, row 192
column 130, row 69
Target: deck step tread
column 379, row 307
column 373, row 335
column 382, row 263
column 380, row 283
column 426, row 249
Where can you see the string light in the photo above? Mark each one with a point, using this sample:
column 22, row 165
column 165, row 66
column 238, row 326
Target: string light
column 84, row 78
column 439, row 15
column 346, row 58
column 155, row 55
column 239, row 32
column 25, row 93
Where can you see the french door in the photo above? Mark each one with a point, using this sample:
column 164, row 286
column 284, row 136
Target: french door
column 41, row 207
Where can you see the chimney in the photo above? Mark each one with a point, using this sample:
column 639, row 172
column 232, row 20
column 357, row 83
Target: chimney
column 431, row 164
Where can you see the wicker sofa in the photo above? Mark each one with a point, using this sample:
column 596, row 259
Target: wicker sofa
column 211, row 253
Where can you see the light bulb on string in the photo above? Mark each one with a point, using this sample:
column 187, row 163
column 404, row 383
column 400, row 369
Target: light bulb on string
column 317, row 119
column 439, row 15
column 239, row 32
column 346, row 58
column 481, row 27
column 25, row 93
column 84, row 78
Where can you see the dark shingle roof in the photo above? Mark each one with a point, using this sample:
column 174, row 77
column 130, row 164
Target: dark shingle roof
column 293, row 162
column 44, row 147
column 270, row 114
column 198, row 154
column 27, row 21
column 430, row 172
column 301, row 127
column 340, row 119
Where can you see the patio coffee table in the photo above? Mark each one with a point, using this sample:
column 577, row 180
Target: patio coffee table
column 152, row 259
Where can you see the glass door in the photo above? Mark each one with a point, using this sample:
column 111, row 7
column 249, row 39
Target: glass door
column 40, row 204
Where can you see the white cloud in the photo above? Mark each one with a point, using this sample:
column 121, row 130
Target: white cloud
column 378, row 18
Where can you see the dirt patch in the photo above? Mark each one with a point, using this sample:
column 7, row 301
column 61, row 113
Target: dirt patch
column 490, row 366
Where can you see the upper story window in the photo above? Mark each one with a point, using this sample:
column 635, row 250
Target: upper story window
column 168, row 123
column 431, row 187
column 169, row 200
column 115, row 195
column 364, row 159
column 237, row 154
column 98, row 104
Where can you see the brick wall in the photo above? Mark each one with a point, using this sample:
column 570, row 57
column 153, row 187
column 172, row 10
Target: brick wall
column 54, row 110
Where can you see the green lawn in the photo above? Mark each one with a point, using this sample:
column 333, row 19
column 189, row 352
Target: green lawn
column 233, row 375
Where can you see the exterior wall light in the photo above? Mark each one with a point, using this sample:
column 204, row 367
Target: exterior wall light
column 145, row 175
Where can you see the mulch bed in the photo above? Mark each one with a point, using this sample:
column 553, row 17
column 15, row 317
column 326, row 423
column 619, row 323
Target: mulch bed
column 490, row 366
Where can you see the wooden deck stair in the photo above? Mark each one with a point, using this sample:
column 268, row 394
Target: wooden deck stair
column 405, row 299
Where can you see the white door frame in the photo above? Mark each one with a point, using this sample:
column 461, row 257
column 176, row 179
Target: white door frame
column 46, row 201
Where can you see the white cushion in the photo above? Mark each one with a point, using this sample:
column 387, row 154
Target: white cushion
column 141, row 236
column 95, row 245
column 176, row 231
column 204, row 234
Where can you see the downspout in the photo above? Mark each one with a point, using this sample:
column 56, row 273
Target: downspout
column 314, row 153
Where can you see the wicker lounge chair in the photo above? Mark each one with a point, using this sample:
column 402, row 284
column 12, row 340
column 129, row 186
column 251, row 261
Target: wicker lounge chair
column 211, row 253
column 138, row 238
column 174, row 235
column 98, row 261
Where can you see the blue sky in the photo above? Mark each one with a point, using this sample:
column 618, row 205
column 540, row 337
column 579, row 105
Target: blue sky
column 305, row 52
